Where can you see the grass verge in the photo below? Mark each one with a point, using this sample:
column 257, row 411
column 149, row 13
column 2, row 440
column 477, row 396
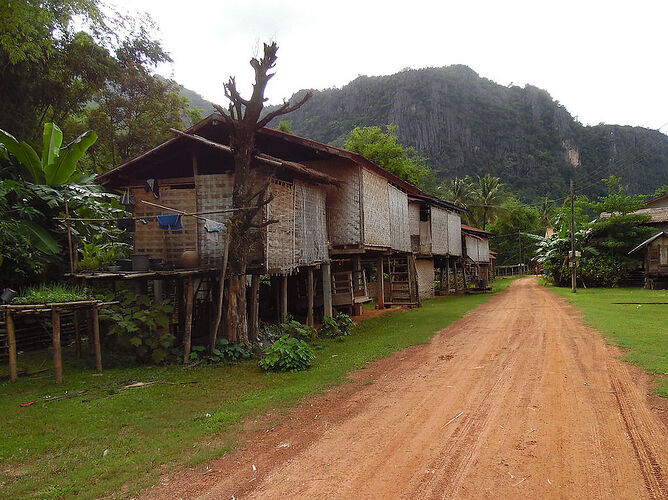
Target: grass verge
column 103, row 438
column 640, row 329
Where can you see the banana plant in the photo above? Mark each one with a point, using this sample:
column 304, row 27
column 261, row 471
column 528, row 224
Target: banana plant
column 57, row 164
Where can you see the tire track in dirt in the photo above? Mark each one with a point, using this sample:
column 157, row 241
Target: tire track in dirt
column 516, row 399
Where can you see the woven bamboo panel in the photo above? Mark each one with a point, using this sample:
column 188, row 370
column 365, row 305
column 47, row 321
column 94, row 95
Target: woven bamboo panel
column 281, row 244
column 439, row 231
column 343, row 203
column 214, row 192
column 483, row 250
column 414, row 217
column 400, row 238
column 310, row 223
column 454, row 234
column 425, row 277
column 149, row 239
column 376, row 209
column 425, row 237
column 472, row 251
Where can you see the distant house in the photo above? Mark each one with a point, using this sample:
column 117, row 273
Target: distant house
column 477, row 256
column 657, row 209
column 655, row 250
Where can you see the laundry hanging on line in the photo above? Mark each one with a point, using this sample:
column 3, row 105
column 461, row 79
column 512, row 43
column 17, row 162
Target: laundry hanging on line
column 127, row 199
column 152, row 185
column 213, row 230
column 170, row 222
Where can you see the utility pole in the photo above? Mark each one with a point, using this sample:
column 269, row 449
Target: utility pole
column 572, row 259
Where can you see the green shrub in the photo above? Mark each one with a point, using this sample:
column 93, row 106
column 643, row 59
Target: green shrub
column 287, row 354
column 298, row 330
column 140, row 326
column 337, row 327
column 224, row 351
column 602, row 271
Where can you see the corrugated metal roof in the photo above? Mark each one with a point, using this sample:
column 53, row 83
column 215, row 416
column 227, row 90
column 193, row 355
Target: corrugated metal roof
column 648, row 241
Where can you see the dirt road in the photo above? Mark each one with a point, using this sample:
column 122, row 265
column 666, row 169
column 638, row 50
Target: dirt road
column 517, row 399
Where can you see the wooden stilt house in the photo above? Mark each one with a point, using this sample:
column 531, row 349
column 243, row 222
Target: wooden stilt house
column 655, row 260
column 477, row 256
column 436, row 242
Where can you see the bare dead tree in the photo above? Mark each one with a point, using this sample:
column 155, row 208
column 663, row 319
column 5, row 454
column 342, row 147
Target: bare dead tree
column 245, row 117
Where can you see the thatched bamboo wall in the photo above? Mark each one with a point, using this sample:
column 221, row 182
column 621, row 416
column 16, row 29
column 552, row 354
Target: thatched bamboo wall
column 157, row 243
column 344, row 212
column 454, row 234
column 439, row 231
column 425, row 277
column 414, row 217
column 281, row 247
column 376, row 205
column 400, row 236
column 312, row 245
column 214, row 192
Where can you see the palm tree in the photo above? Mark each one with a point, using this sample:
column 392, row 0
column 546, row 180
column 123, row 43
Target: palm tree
column 487, row 196
column 457, row 190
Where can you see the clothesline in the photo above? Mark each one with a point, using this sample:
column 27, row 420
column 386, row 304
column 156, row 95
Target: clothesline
column 109, row 219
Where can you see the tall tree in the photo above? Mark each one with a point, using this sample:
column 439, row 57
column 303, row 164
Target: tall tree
column 385, row 150
column 488, row 196
column 244, row 115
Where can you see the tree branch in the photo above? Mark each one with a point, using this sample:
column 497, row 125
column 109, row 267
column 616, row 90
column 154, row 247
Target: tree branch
column 284, row 109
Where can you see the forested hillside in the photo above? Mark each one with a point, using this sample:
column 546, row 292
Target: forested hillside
column 467, row 125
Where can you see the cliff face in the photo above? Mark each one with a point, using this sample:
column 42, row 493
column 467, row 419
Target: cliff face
column 466, row 124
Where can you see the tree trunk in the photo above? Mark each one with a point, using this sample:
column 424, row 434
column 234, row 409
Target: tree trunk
column 235, row 315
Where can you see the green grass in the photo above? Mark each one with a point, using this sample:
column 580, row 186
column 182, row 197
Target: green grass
column 57, row 449
column 53, row 292
column 641, row 330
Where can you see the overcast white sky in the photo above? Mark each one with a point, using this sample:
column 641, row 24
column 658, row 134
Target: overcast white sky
column 606, row 61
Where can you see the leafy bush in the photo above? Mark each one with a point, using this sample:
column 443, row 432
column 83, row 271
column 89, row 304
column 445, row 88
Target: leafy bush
column 224, row 351
column 140, row 326
column 298, row 330
column 288, row 354
column 54, row 292
column 604, row 271
column 337, row 327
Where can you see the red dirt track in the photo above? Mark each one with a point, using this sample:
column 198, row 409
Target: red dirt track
column 516, row 399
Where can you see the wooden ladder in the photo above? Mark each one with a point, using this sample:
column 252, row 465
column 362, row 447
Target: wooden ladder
column 403, row 283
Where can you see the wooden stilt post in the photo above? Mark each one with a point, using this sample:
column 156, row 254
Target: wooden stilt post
column 309, row 295
column 91, row 344
column 447, row 276
column 466, row 285
column 284, row 298
column 327, row 289
column 454, row 265
column 380, row 283
column 187, row 330
column 11, row 341
column 95, row 313
column 57, row 350
column 254, row 320
column 77, row 333
column 441, row 277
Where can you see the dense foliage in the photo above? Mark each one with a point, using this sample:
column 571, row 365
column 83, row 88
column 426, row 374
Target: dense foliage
column 287, row 354
column 336, row 327
column 53, row 292
column 69, row 62
column 607, row 229
column 384, row 149
column 139, row 327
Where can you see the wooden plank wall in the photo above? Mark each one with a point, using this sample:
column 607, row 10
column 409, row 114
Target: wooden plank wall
column 376, row 205
column 149, row 239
